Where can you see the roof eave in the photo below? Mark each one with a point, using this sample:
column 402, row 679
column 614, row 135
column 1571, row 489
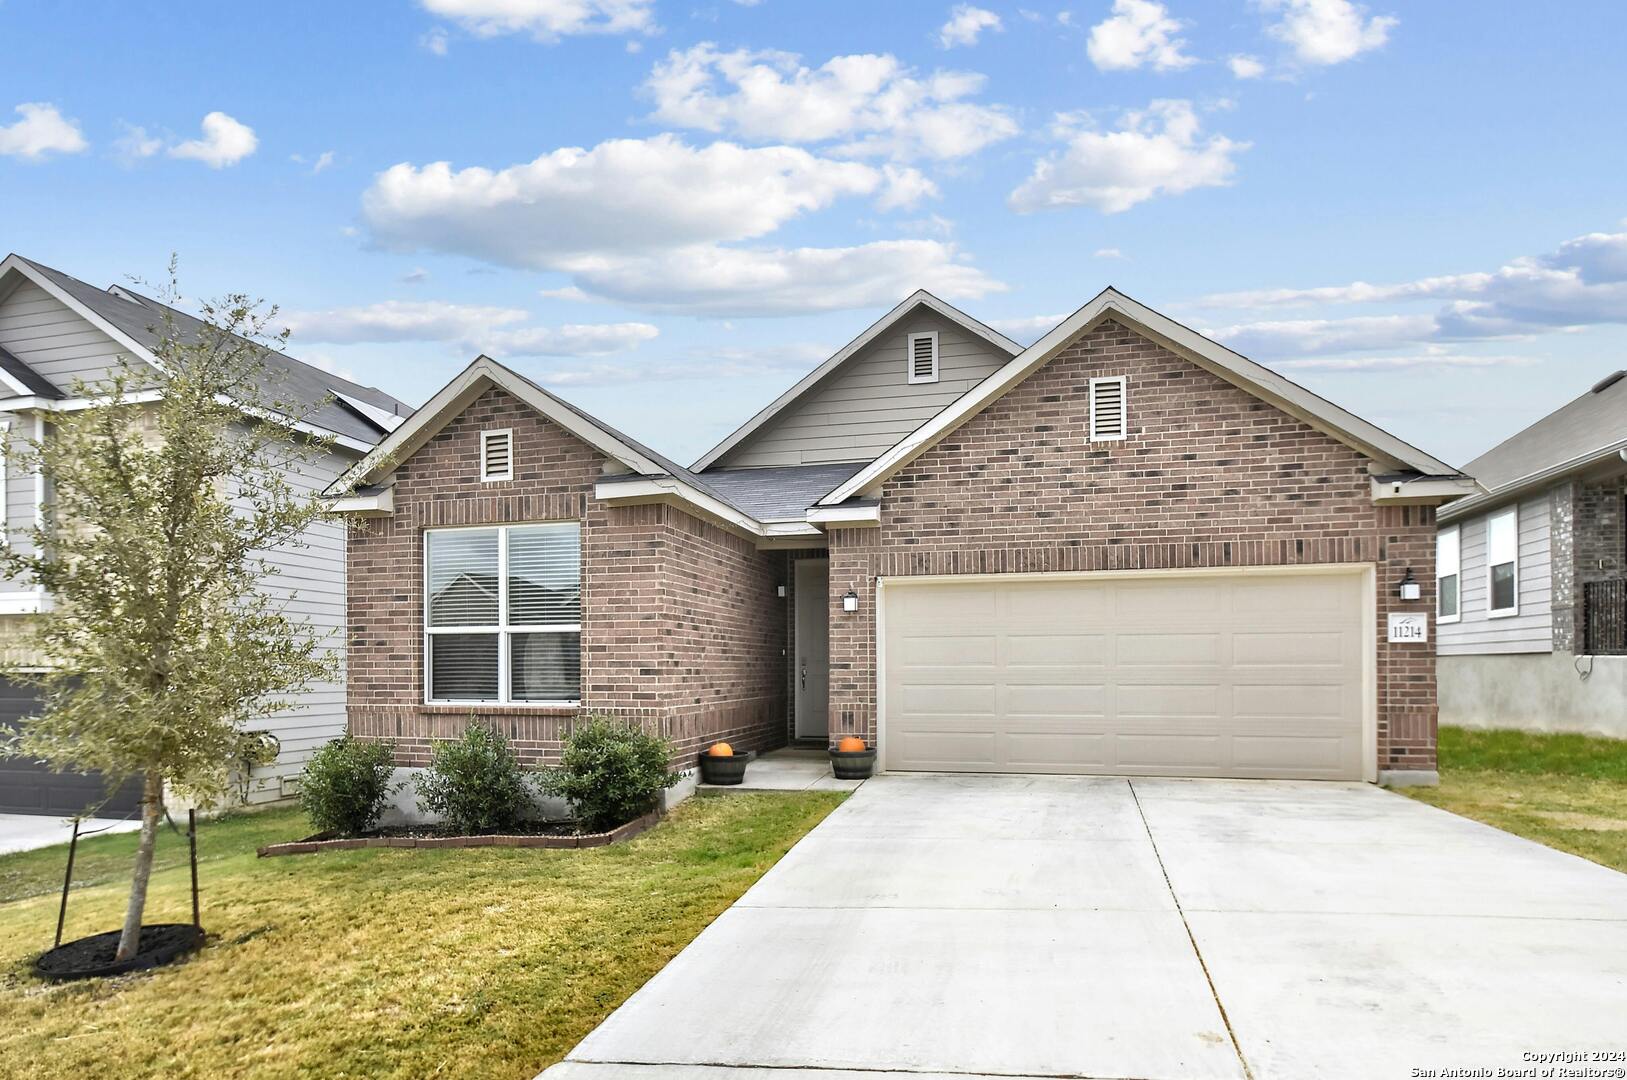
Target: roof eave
column 1523, row 485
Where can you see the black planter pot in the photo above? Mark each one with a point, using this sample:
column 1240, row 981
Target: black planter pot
column 724, row 771
column 853, row 764
column 92, row 957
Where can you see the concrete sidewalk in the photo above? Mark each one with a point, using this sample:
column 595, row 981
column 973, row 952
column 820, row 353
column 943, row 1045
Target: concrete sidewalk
column 25, row 832
column 1093, row 927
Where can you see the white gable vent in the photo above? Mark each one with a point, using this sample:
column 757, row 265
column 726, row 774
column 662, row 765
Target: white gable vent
column 1109, row 409
column 924, row 357
column 497, row 455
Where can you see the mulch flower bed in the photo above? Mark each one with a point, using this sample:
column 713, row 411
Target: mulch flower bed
column 544, row 835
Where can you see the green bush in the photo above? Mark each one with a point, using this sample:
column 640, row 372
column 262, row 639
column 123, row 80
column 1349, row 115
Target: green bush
column 610, row 772
column 475, row 782
column 346, row 785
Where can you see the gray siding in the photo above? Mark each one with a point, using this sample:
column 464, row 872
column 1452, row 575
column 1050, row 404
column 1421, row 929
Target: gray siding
column 868, row 404
column 1530, row 631
column 43, row 333
column 21, row 500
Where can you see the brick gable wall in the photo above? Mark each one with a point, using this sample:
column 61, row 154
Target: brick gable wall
column 1210, row 477
column 681, row 630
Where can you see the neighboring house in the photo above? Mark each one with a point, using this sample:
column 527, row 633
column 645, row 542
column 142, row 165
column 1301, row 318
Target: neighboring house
column 55, row 329
column 1123, row 549
column 1533, row 599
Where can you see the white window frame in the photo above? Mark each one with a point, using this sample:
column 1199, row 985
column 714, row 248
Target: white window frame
column 1441, row 573
column 485, row 438
column 1123, row 382
column 909, row 359
column 502, row 628
column 1513, row 514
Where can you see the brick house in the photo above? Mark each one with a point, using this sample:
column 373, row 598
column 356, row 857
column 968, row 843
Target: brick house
column 1533, row 599
column 1122, row 549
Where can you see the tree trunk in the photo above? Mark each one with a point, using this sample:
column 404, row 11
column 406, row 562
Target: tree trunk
column 152, row 806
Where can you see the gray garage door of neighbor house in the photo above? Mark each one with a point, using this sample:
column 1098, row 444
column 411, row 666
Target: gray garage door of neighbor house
column 1203, row 674
column 28, row 787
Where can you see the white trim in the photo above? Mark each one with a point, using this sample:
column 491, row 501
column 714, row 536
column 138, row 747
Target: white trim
column 16, row 384
column 1123, row 383
column 1520, row 485
column 5, row 470
column 909, row 358
column 1367, row 572
column 25, row 602
column 1423, row 490
column 846, row 517
column 75, row 404
column 920, row 298
column 378, row 504
column 502, row 629
column 1254, row 378
column 1512, row 511
column 692, row 501
column 488, row 437
column 39, row 473
column 1457, row 572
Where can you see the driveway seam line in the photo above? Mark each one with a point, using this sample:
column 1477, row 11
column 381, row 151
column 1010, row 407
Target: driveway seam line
column 1237, row 1048
column 858, row 1069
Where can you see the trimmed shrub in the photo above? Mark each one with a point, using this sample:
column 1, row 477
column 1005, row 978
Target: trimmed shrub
column 610, row 772
column 346, row 785
column 475, row 782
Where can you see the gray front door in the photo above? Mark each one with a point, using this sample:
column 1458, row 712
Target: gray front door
column 812, row 646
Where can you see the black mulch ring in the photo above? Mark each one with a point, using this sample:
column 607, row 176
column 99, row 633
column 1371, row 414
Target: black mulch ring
column 92, row 957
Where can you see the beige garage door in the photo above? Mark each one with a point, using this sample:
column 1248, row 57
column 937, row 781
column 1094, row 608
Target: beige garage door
column 1249, row 675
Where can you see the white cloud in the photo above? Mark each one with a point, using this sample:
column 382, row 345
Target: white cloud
column 572, row 207
column 872, row 104
column 1158, row 150
column 435, row 41
column 471, row 328
column 546, row 20
column 320, row 163
column 1109, row 253
column 966, row 24
column 1139, row 32
column 1581, row 283
column 1322, row 32
column 1026, row 329
column 42, row 131
column 1432, row 357
column 713, row 364
column 1245, row 67
column 225, row 142
column 136, row 143
column 723, row 281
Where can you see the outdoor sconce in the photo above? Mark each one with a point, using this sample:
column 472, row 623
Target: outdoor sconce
column 779, row 591
column 850, row 601
column 1408, row 589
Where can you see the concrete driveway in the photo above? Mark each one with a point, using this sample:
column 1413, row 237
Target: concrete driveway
column 1092, row 927
column 25, row 832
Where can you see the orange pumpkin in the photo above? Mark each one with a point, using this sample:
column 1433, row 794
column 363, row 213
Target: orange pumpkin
column 850, row 744
column 721, row 749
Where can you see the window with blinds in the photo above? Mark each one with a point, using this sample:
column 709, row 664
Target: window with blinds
column 924, row 357
column 497, row 455
column 1109, row 409
column 503, row 613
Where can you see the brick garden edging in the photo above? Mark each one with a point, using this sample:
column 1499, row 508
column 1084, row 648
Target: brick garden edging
column 312, row 844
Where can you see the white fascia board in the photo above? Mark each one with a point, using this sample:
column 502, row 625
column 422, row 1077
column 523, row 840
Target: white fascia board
column 378, row 504
column 27, row 602
column 32, row 403
column 1424, row 490
column 1235, row 368
column 17, row 387
column 920, row 298
column 846, row 517
column 671, row 490
column 1488, row 499
column 457, row 394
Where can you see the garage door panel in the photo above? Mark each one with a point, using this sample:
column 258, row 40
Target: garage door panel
column 1229, row 675
column 1022, row 650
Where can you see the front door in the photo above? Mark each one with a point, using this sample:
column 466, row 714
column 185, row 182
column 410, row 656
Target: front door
column 812, row 646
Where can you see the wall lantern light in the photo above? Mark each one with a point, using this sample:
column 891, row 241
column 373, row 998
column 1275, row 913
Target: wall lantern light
column 850, row 602
column 779, row 591
column 1408, row 589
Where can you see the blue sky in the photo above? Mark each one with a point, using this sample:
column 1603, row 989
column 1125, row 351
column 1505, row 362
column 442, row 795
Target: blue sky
column 669, row 211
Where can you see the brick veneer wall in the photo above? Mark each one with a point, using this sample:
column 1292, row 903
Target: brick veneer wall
column 681, row 630
column 1588, row 543
column 1210, row 477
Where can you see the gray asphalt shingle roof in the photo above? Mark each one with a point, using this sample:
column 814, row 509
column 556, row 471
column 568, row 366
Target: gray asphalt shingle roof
column 782, row 493
column 1591, row 422
column 141, row 318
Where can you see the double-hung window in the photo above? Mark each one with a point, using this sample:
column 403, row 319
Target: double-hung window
column 1447, row 569
column 1503, row 563
column 503, row 614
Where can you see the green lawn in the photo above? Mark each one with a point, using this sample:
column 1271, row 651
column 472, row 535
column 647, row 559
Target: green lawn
column 1566, row 791
column 485, row 962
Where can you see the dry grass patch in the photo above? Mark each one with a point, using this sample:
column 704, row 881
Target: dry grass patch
column 374, row 963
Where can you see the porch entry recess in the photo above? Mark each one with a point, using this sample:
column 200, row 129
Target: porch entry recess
column 810, row 656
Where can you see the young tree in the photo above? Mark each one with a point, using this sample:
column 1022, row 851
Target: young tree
column 162, row 641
